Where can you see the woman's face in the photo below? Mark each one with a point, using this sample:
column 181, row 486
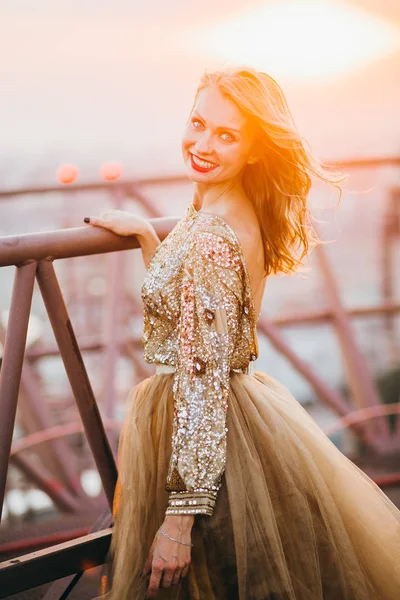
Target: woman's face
column 217, row 143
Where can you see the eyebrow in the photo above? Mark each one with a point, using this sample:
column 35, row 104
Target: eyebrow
column 196, row 114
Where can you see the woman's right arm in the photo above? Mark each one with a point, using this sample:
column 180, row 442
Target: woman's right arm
column 125, row 223
column 149, row 242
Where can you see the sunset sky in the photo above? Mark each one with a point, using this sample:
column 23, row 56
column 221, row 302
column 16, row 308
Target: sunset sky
column 99, row 80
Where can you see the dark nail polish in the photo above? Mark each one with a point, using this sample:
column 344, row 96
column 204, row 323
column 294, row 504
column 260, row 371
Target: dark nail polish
column 87, row 220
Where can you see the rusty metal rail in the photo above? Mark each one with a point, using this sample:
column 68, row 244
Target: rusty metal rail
column 33, row 255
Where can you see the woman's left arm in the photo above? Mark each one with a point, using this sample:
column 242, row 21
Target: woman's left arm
column 211, row 304
column 210, row 314
column 169, row 556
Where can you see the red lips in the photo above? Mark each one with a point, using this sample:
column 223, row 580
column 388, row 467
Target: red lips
column 200, row 169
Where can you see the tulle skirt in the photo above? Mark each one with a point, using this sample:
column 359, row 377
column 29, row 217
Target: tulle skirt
column 295, row 519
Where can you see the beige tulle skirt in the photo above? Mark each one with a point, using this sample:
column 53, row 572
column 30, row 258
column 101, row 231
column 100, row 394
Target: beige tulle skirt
column 294, row 519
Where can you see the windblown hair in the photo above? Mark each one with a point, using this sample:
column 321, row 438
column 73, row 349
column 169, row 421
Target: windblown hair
column 278, row 184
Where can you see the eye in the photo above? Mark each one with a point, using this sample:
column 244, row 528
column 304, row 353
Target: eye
column 196, row 123
column 227, row 138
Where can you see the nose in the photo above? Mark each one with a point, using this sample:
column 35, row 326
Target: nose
column 204, row 144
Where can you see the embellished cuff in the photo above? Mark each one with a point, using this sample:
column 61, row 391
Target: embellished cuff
column 191, row 503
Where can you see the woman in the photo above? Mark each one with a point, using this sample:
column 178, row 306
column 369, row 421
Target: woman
column 227, row 487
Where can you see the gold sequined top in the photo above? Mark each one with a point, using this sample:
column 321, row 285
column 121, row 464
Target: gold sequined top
column 199, row 317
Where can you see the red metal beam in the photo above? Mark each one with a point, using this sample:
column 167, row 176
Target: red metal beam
column 363, row 387
column 362, row 415
column 276, row 338
column 131, row 187
column 325, row 316
column 42, row 541
column 33, row 415
column 46, row 481
column 58, row 431
column 13, row 358
column 61, row 460
column 323, row 391
column 77, row 241
column 61, row 588
column 78, row 377
column 43, row 566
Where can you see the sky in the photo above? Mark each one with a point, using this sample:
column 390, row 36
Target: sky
column 86, row 82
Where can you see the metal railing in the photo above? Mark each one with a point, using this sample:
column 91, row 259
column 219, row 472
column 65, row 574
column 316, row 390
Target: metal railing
column 33, row 256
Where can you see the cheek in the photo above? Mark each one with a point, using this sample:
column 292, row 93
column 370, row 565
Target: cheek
column 188, row 139
column 234, row 156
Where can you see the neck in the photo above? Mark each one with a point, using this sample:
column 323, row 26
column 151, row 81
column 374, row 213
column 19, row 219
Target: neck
column 214, row 197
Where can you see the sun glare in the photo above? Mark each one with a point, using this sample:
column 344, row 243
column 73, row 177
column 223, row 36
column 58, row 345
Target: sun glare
column 302, row 39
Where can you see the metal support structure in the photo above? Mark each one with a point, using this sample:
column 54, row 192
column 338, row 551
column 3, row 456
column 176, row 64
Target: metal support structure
column 361, row 382
column 46, row 482
column 13, row 358
column 323, row 391
column 132, row 187
column 67, row 560
column 78, row 377
column 34, row 416
column 60, row 459
column 61, row 589
column 65, row 243
column 61, row 560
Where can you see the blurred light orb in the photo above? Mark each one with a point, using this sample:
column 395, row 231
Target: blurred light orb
column 38, row 500
column 91, row 482
column 111, row 171
column 17, row 502
column 67, row 173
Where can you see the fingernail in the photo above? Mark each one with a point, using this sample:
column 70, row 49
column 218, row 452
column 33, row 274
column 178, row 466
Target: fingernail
column 87, row 220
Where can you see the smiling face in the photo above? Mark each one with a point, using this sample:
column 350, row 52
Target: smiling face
column 217, row 141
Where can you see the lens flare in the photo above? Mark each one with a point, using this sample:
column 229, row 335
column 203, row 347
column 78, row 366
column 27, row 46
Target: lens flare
column 302, row 39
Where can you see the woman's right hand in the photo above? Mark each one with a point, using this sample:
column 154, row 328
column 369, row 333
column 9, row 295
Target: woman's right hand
column 125, row 223
column 120, row 222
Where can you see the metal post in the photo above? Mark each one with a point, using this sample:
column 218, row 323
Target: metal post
column 11, row 367
column 361, row 382
column 329, row 395
column 78, row 377
column 39, row 475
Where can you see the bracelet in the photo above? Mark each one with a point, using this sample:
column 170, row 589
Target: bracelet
column 173, row 539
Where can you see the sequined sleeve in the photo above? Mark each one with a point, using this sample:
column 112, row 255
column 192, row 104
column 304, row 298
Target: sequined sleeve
column 211, row 302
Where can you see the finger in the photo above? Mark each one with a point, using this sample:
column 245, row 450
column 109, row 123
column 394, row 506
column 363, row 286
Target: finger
column 97, row 221
column 154, row 582
column 107, row 215
column 167, row 577
column 147, row 565
column 176, row 577
column 185, row 571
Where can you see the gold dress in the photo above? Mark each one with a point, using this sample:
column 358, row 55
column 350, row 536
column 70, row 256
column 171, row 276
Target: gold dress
column 280, row 512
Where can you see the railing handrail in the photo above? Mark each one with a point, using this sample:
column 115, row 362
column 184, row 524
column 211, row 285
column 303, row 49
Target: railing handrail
column 70, row 242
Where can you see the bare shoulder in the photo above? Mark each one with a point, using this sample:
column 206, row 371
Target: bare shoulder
column 243, row 223
column 247, row 230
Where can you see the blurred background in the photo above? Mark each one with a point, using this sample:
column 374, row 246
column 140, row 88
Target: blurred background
column 94, row 98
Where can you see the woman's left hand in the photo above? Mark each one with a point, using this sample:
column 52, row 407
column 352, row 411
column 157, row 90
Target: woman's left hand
column 169, row 561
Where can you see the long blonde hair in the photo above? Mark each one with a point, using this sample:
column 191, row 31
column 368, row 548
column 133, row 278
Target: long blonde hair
column 278, row 184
